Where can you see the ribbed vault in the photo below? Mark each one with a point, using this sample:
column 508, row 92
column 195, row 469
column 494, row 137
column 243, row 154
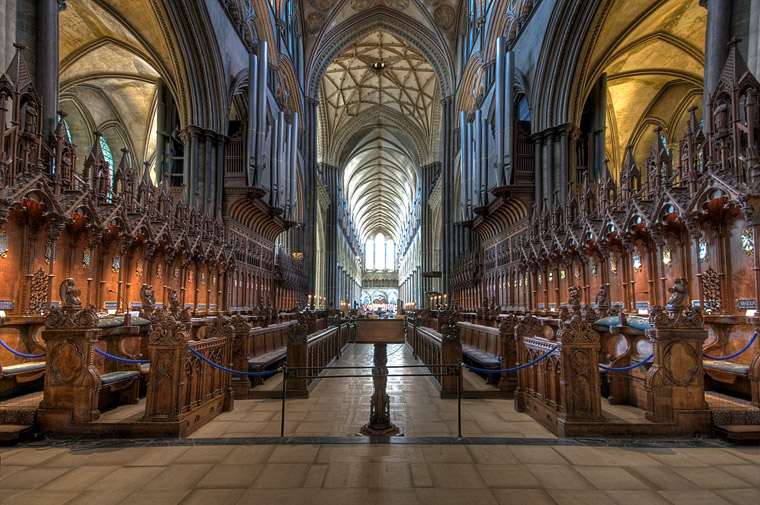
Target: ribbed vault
column 378, row 103
column 379, row 183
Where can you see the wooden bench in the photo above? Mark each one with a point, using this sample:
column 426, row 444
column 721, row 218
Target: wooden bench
column 267, row 348
column 481, row 345
column 624, row 343
column 741, row 373
column 19, row 375
column 130, row 342
column 119, row 381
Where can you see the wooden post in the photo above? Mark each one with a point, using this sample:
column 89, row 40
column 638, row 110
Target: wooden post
column 580, row 392
column 451, row 349
column 508, row 381
column 167, row 350
column 241, row 384
column 298, row 357
column 71, row 380
column 675, row 382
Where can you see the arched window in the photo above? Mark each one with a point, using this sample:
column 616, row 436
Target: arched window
column 379, row 253
column 369, row 255
column 109, row 159
column 65, row 125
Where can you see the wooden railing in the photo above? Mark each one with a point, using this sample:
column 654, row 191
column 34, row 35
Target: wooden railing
column 434, row 350
column 323, row 347
column 184, row 387
column 311, row 354
column 203, row 383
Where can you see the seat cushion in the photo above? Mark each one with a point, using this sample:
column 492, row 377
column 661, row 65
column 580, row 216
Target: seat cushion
column 482, row 357
column 638, row 322
column 112, row 377
column 726, row 366
column 23, row 367
column 268, row 357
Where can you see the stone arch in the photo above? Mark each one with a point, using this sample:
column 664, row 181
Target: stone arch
column 367, row 120
column 332, row 43
column 473, row 72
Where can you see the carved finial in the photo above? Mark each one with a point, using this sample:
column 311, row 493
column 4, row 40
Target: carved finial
column 70, row 314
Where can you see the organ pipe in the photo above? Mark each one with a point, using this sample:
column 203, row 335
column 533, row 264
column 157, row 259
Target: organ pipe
column 484, row 161
column 500, row 49
column 294, row 167
column 261, row 87
column 286, row 164
column 509, row 116
column 463, row 163
column 280, row 153
column 478, row 165
column 469, row 170
column 251, row 168
column 476, row 160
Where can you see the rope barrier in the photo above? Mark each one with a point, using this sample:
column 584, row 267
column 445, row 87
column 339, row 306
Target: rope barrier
column 123, row 360
column 21, row 354
column 723, row 358
column 485, row 370
column 220, row 367
column 621, row 369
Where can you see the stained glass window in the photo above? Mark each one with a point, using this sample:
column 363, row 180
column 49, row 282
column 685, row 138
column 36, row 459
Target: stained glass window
column 109, row 159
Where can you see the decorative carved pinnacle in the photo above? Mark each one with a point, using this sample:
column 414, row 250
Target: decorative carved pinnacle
column 70, row 314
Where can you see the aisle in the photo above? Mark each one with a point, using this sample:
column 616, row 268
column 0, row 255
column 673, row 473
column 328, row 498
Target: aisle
column 337, row 407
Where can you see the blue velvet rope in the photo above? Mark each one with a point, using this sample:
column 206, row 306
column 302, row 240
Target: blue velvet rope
column 621, row 369
column 220, row 367
column 20, row 354
column 722, row 358
column 123, row 360
column 505, row 370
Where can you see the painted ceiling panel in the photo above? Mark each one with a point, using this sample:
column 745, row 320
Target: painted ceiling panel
column 380, row 70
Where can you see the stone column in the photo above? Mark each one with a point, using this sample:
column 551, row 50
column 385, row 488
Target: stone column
column 716, row 45
column 538, row 167
column 311, row 204
column 47, row 62
column 448, row 173
column 753, row 46
column 551, row 176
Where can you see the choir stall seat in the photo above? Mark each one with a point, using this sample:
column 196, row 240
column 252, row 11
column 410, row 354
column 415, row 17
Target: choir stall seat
column 268, row 347
column 481, row 346
column 740, row 373
column 19, row 374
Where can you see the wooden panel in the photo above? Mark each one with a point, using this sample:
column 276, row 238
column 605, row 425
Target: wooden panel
column 379, row 331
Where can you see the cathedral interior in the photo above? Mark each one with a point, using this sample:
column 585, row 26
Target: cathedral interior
column 380, row 251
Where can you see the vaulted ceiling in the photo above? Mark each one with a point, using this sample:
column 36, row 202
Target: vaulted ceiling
column 109, row 70
column 379, row 185
column 379, row 70
column 379, row 101
column 652, row 52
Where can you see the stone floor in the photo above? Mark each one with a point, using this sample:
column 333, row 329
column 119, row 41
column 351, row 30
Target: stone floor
column 508, row 460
